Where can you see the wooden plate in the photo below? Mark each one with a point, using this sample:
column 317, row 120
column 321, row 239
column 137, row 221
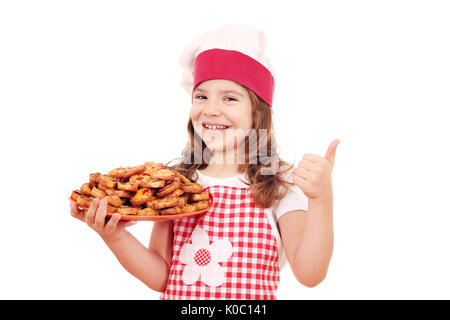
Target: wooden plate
column 130, row 217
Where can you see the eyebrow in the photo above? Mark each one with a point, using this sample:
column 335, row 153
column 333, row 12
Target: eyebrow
column 223, row 91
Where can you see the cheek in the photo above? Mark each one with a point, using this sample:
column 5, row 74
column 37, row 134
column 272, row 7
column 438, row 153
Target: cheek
column 249, row 122
column 246, row 117
column 195, row 113
column 243, row 121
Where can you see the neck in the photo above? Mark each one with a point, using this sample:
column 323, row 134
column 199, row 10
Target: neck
column 219, row 167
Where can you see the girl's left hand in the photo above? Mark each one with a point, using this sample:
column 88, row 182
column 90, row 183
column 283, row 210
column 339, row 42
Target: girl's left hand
column 313, row 173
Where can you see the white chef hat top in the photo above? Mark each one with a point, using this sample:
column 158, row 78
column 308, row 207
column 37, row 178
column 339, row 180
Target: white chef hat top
column 246, row 39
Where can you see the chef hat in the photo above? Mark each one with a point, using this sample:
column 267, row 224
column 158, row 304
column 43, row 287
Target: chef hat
column 233, row 52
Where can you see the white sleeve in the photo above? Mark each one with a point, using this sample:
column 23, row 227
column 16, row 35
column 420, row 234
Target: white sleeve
column 295, row 199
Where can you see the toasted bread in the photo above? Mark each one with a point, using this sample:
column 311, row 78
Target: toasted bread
column 170, row 211
column 84, row 201
column 166, row 203
column 150, row 189
column 148, row 212
column 171, row 187
column 191, row 187
column 108, row 181
column 200, row 196
column 165, row 174
column 176, row 194
column 86, row 189
column 114, row 201
column 142, row 196
column 95, row 177
column 124, row 173
column 128, row 186
column 127, row 210
column 97, row 193
column 118, row 193
column 200, row 205
column 150, row 183
column 75, row 194
column 154, row 165
column 188, row 208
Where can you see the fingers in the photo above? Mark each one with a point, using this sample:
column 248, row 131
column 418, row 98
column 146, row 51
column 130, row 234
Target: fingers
column 331, row 151
column 115, row 223
column 299, row 181
column 90, row 214
column 99, row 220
column 303, row 173
column 111, row 225
column 128, row 224
column 95, row 217
column 75, row 212
column 312, row 157
column 329, row 155
column 306, row 164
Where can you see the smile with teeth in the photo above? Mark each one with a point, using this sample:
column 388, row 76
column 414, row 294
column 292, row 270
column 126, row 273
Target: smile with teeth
column 215, row 127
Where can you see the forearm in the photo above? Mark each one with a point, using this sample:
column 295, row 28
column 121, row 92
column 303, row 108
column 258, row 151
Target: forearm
column 144, row 264
column 315, row 247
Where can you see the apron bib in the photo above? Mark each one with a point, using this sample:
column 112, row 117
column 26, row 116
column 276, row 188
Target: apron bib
column 228, row 253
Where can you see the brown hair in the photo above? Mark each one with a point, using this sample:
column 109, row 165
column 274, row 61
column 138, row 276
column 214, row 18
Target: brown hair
column 267, row 188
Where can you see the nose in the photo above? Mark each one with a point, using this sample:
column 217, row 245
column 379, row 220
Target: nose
column 211, row 109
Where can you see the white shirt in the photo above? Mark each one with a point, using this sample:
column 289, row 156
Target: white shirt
column 295, row 199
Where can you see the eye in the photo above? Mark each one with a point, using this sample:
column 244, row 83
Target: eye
column 204, row 97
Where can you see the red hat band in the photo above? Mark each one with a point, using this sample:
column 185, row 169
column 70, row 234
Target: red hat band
column 236, row 66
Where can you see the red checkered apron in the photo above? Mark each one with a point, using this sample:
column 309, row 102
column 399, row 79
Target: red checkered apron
column 228, row 253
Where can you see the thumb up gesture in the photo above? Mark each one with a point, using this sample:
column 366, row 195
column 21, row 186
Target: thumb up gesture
column 313, row 174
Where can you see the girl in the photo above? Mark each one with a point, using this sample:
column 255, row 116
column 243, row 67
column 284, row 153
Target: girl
column 263, row 210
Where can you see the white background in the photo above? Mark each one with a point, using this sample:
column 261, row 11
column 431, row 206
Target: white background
column 87, row 86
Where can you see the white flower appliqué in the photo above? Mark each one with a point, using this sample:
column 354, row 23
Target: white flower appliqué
column 202, row 259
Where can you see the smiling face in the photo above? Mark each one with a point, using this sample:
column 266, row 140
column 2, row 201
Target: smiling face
column 221, row 111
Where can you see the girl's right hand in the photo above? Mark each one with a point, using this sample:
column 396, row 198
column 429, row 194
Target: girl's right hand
column 95, row 217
